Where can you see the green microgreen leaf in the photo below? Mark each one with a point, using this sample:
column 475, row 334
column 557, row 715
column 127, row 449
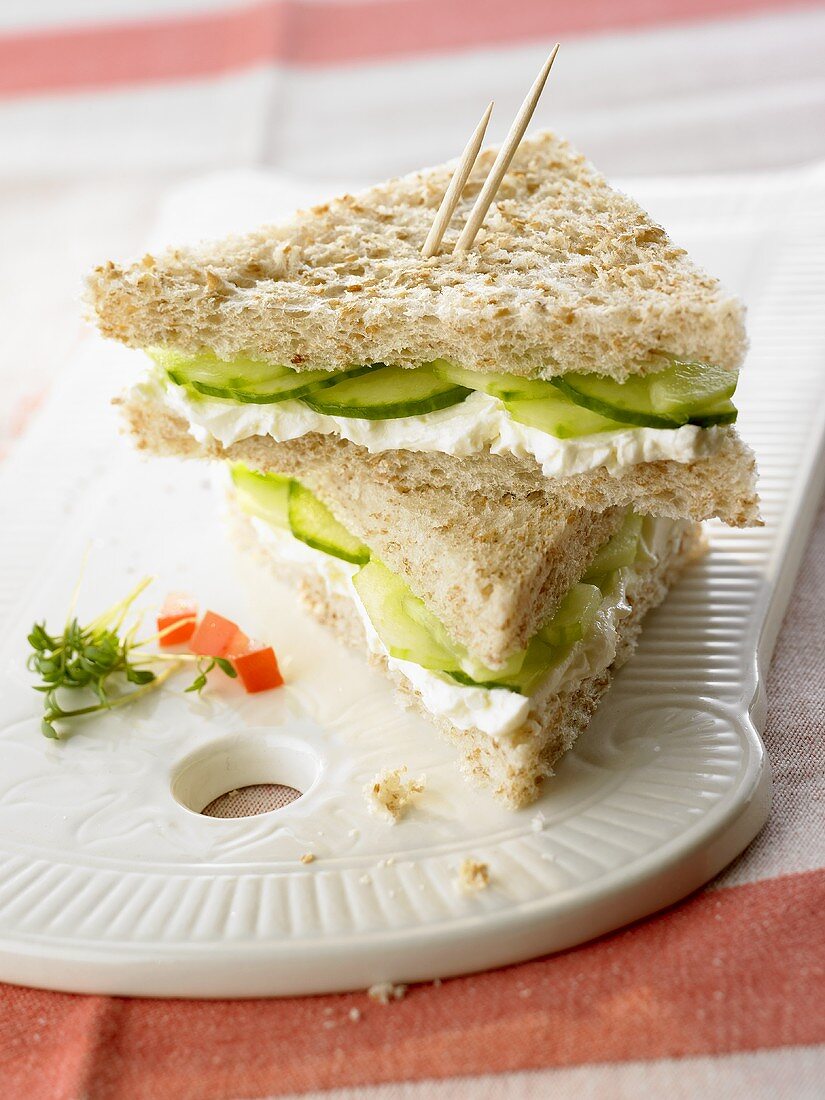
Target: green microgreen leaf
column 140, row 675
column 198, row 684
column 97, row 660
column 48, row 730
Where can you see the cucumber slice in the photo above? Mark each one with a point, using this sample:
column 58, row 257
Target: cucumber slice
column 388, row 393
column 313, row 523
column 473, row 671
column 628, row 402
column 683, row 392
column 507, row 387
column 574, row 616
column 388, row 602
column 536, row 661
column 573, row 620
column 559, row 416
column 685, row 388
column 283, row 502
column 247, row 381
column 723, row 413
column 411, row 632
column 263, row 495
column 618, row 552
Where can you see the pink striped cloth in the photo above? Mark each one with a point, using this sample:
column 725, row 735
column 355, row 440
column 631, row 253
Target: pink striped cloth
column 100, row 110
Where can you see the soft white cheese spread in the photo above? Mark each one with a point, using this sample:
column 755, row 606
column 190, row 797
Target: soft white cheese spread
column 476, row 424
column 495, row 711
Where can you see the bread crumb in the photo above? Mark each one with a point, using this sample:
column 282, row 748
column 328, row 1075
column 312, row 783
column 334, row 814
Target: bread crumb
column 355, row 1015
column 308, row 857
column 538, row 822
column 385, row 992
column 216, row 284
column 391, row 793
column 473, row 875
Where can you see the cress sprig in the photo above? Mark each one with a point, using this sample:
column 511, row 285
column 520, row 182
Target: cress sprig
column 101, row 659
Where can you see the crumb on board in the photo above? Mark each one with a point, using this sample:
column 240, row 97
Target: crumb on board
column 308, row 857
column 473, row 875
column 390, row 794
column 537, row 822
column 355, row 1015
column 386, row 992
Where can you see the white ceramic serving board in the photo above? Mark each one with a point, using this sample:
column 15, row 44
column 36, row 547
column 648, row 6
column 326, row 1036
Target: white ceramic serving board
column 109, row 883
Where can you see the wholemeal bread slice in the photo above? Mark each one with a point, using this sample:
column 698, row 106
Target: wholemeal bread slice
column 491, row 563
column 513, row 765
column 721, row 484
column 566, row 274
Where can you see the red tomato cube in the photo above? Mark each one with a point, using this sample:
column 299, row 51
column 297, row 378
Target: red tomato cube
column 177, row 608
column 257, row 667
column 214, row 635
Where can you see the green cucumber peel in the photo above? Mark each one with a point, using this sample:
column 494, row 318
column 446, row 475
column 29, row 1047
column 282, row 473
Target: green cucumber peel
column 725, row 413
column 248, row 383
column 390, row 393
column 314, row 524
column 608, row 409
column 284, row 503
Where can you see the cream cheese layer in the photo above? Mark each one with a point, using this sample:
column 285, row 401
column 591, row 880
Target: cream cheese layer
column 495, row 711
column 477, row 424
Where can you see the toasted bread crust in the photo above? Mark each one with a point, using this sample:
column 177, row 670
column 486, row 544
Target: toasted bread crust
column 566, row 274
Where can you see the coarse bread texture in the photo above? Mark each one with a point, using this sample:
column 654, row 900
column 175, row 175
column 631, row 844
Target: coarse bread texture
column 566, row 274
column 512, row 767
column 722, row 485
column 490, row 563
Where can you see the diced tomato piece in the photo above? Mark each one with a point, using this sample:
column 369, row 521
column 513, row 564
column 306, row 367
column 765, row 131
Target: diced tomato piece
column 214, row 635
column 257, row 667
column 177, row 608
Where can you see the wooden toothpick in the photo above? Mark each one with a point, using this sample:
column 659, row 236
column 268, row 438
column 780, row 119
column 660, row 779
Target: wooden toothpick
column 505, row 156
column 453, row 192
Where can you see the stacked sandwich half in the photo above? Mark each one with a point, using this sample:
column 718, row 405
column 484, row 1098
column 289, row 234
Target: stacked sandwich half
column 483, row 468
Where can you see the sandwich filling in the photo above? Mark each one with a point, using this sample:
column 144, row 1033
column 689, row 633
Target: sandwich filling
column 672, row 410
column 580, row 640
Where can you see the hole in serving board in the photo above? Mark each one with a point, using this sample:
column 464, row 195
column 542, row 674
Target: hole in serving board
column 245, row 775
column 257, row 798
